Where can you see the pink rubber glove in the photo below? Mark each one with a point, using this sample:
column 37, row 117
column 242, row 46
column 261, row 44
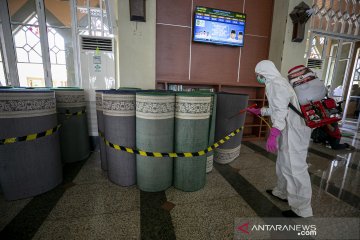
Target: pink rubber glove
column 256, row 111
column 271, row 143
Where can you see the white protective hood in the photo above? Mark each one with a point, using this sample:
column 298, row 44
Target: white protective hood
column 268, row 70
column 279, row 93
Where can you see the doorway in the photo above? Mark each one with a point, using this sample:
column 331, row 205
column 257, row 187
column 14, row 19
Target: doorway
column 351, row 117
column 330, row 57
column 336, row 61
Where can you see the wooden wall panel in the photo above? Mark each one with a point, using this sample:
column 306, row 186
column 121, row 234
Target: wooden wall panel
column 256, row 50
column 173, row 53
column 229, row 5
column 177, row 12
column 258, row 17
column 213, row 63
column 210, row 63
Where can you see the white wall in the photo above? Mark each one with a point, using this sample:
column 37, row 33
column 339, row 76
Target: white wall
column 281, row 9
column 284, row 53
column 294, row 52
column 136, row 47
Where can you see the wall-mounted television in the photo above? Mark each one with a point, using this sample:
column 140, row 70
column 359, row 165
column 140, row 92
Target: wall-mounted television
column 219, row 26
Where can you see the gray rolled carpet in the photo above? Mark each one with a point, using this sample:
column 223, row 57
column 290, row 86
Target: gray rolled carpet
column 28, row 168
column 228, row 104
column 101, row 128
column 74, row 137
column 155, row 113
column 192, row 121
column 119, row 124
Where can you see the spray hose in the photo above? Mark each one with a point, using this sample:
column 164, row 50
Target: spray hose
column 245, row 109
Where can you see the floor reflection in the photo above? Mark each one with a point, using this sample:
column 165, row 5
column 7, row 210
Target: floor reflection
column 339, row 170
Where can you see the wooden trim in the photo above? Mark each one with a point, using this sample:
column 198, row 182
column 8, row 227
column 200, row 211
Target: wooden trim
column 187, row 82
column 245, row 139
column 257, row 100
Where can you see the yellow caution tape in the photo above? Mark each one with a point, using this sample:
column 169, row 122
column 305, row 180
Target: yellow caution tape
column 30, row 137
column 35, row 136
column 183, row 154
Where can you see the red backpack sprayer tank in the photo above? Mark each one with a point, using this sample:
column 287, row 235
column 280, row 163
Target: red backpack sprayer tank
column 316, row 108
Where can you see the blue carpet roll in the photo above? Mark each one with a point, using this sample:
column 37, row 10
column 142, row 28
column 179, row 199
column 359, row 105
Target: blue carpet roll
column 119, row 124
column 28, row 168
column 74, row 135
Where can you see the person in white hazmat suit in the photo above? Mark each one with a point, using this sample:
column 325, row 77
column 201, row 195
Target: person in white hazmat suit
column 293, row 136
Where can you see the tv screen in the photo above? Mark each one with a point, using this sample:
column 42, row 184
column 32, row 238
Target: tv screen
column 219, row 26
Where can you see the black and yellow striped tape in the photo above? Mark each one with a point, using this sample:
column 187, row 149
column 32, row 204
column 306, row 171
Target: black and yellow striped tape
column 30, row 137
column 35, row 136
column 183, row 154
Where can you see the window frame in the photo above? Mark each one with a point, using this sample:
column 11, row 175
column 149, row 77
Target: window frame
column 8, row 44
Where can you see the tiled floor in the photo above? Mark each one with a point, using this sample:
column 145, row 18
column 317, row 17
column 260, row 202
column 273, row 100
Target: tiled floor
column 88, row 206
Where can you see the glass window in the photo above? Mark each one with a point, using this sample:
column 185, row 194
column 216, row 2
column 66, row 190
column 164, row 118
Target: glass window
column 317, row 46
column 330, row 58
column 345, row 50
column 28, row 52
column 61, row 57
column 2, row 70
column 92, row 18
column 21, row 10
column 82, row 18
column 60, row 41
column 32, row 63
column 357, row 69
column 58, row 13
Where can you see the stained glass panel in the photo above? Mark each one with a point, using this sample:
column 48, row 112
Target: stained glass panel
column 61, row 56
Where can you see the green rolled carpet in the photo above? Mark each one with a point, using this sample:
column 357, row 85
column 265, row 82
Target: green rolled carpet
column 101, row 128
column 74, row 136
column 154, row 133
column 192, row 121
column 210, row 155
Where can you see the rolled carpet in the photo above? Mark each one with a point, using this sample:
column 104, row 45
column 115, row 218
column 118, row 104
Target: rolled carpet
column 228, row 104
column 28, row 168
column 155, row 113
column 119, row 124
column 192, row 120
column 74, row 135
column 100, row 122
column 210, row 155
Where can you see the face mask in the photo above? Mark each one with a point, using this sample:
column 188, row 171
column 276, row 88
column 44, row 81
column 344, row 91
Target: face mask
column 260, row 79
